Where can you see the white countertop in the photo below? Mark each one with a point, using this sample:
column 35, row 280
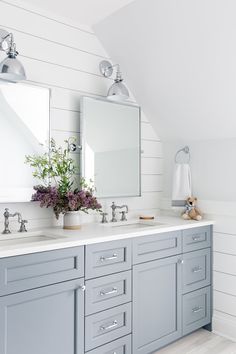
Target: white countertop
column 93, row 233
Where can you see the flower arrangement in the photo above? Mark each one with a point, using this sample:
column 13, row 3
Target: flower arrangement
column 59, row 189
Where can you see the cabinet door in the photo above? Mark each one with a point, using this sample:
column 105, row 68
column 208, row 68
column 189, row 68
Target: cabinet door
column 44, row 320
column 156, row 304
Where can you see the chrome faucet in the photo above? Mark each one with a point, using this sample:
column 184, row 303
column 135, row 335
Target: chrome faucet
column 114, row 207
column 8, row 215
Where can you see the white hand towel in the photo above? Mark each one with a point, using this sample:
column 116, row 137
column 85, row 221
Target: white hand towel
column 182, row 184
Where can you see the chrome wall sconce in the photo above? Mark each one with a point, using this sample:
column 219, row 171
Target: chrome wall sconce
column 118, row 91
column 11, row 68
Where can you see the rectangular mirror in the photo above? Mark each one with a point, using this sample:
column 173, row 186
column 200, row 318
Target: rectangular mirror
column 111, row 147
column 24, row 127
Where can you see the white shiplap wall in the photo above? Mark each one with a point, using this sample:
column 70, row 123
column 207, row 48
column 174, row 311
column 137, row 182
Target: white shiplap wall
column 64, row 57
column 224, row 277
column 213, row 174
column 224, row 263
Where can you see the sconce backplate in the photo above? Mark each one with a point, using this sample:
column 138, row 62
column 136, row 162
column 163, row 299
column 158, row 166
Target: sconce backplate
column 106, row 68
column 4, row 42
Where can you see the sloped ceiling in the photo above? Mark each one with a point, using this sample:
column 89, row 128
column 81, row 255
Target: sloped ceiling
column 86, row 12
column 178, row 58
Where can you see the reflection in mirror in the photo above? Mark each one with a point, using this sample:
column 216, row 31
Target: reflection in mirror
column 111, row 147
column 24, row 127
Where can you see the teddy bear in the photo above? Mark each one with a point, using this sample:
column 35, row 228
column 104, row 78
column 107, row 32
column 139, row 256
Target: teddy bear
column 192, row 212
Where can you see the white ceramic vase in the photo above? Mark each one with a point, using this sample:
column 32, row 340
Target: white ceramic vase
column 72, row 220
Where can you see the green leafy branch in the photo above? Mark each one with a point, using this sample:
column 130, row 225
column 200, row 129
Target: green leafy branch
column 56, row 167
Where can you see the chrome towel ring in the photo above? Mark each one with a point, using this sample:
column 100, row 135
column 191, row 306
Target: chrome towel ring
column 186, row 150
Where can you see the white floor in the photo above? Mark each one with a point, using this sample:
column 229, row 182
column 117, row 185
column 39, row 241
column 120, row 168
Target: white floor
column 201, row 342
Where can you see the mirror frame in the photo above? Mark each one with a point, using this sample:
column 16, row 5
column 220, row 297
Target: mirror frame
column 82, row 140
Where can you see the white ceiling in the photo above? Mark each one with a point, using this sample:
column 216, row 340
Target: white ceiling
column 86, row 12
column 178, row 58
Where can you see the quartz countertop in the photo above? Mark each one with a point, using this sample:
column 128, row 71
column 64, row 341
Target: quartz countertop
column 57, row 238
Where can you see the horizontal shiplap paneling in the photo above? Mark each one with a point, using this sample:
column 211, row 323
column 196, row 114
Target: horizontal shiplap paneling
column 50, row 74
column 152, row 183
column 152, row 166
column 225, row 283
column 225, row 243
column 225, row 303
column 28, row 22
column 29, row 210
column 65, row 120
column 51, row 52
column 65, row 58
column 146, row 201
column 225, row 263
column 151, row 148
column 224, row 325
column 148, row 132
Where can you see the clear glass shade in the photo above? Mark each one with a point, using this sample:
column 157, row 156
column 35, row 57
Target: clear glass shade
column 118, row 92
column 12, row 70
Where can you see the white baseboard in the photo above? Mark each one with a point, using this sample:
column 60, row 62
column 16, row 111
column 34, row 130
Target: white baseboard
column 224, row 325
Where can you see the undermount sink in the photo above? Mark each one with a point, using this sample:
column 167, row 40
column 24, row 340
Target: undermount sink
column 31, row 237
column 135, row 224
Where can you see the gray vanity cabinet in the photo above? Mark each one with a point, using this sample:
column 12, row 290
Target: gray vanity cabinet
column 129, row 296
column 46, row 320
column 156, row 304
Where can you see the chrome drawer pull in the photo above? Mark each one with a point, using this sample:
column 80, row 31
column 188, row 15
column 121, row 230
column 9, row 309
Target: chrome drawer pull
column 197, row 269
column 113, row 291
column 113, row 325
column 103, row 259
column 197, row 309
column 196, row 238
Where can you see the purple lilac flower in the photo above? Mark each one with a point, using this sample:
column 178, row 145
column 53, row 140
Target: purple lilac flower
column 72, row 201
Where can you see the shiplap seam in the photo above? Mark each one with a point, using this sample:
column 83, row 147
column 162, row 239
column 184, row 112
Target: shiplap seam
column 64, row 88
column 226, row 313
column 152, row 157
column 155, row 140
column 64, row 109
column 55, row 42
column 66, row 67
column 223, row 292
column 218, row 271
column 224, row 233
column 228, row 254
column 152, row 174
column 65, row 131
column 49, row 18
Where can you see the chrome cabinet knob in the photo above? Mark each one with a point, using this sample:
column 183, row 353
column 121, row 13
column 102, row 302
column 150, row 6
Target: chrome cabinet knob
column 82, row 287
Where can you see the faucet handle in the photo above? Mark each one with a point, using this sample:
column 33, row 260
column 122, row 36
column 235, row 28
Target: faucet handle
column 22, row 226
column 123, row 215
column 104, row 219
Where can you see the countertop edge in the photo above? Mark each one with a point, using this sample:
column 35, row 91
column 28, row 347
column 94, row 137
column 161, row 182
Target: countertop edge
column 72, row 238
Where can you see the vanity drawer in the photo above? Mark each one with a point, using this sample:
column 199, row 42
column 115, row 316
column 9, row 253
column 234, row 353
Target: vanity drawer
column 107, row 258
column 106, row 326
column 196, row 270
column 108, row 291
column 40, row 269
column 157, row 246
column 196, row 310
column 197, row 238
column 119, row 346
